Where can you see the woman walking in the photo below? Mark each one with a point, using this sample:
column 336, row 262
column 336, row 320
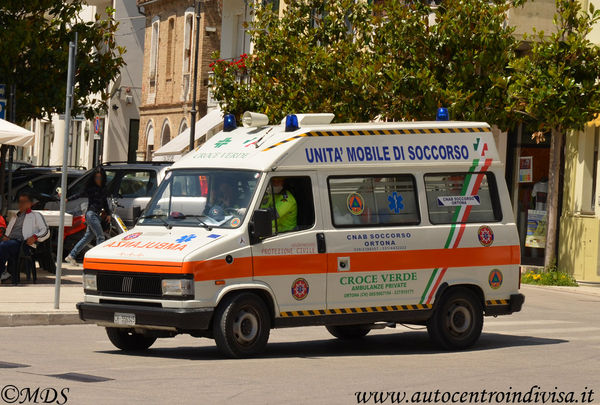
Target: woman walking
column 97, row 196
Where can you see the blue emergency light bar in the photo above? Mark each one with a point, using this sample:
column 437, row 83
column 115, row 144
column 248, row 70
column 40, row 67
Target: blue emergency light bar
column 291, row 123
column 229, row 123
column 442, row 114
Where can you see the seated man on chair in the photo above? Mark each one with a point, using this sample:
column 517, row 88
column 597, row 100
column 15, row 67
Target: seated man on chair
column 27, row 226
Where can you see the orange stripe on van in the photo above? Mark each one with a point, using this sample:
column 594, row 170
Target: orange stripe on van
column 133, row 265
column 430, row 258
column 315, row 263
column 208, row 270
column 290, row 264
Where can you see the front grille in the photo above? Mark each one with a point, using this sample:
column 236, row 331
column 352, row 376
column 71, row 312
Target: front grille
column 129, row 284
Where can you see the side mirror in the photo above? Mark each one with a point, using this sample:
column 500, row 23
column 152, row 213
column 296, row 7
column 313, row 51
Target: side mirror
column 261, row 226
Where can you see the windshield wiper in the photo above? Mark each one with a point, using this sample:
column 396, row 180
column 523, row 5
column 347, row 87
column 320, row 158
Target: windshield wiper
column 159, row 217
column 201, row 222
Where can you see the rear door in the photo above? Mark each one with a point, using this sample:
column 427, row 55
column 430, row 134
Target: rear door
column 293, row 262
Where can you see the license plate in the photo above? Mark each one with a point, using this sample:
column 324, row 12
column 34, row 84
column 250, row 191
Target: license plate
column 124, row 319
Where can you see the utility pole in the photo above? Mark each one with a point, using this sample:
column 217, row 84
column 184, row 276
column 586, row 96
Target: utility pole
column 63, row 182
column 11, row 149
column 194, row 88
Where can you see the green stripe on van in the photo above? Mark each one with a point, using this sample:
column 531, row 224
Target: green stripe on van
column 465, row 187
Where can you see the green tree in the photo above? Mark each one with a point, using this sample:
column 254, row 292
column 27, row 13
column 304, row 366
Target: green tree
column 556, row 85
column 362, row 61
column 34, row 38
column 311, row 59
column 455, row 55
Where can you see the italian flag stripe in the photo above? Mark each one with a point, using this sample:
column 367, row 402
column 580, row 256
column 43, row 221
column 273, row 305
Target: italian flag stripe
column 471, row 186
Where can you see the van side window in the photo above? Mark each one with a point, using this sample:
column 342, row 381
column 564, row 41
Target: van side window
column 374, row 200
column 454, row 198
column 290, row 199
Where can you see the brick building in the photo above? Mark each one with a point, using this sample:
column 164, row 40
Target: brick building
column 168, row 67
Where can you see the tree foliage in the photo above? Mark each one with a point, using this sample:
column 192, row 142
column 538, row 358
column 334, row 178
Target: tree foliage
column 34, row 44
column 555, row 84
column 395, row 60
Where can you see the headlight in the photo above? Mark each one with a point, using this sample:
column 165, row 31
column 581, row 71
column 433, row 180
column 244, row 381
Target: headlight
column 178, row 287
column 89, row 282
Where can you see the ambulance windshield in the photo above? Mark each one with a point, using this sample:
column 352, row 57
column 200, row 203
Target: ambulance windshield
column 211, row 198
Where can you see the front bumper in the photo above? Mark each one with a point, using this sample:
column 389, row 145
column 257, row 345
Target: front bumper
column 179, row 318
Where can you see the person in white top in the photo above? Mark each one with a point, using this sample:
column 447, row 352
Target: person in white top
column 27, row 226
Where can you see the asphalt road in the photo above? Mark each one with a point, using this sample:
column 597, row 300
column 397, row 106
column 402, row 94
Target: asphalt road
column 554, row 342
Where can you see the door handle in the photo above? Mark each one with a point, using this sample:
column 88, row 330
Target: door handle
column 321, row 246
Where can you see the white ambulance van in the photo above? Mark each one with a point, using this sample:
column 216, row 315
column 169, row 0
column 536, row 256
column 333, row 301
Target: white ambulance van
column 352, row 226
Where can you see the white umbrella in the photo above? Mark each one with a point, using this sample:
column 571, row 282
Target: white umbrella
column 11, row 134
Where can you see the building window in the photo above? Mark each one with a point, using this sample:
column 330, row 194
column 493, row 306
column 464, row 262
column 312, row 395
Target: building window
column 166, row 133
column 134, row 129
column 374, row 200
column 170, row 46
column 149, row 140
column 585, row 187
column 459, row 198
column 183, row 126
column 154, row 51
column 595, row 168
column 188, row 29
column 273, row 3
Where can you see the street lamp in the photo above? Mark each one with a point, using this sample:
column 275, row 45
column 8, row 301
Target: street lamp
column 194, row 111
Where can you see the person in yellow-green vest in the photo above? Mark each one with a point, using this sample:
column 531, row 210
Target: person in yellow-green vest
column 286, row 209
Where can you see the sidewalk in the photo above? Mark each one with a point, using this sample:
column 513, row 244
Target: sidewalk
column 33, row 304
column 582, row 289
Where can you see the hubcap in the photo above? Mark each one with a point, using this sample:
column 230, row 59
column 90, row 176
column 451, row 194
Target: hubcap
column 245, row 327
column 459, row 319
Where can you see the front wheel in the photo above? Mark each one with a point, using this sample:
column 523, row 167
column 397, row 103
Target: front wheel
column 241, row 325
column 128, row 340
column 458, row 319
column 348, row 332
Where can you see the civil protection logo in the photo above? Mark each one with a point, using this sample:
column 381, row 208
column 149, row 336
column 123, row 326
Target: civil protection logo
column 485, row 235
column 495, row 279
column 299, row 289
column 132, row 236
column 355, row 203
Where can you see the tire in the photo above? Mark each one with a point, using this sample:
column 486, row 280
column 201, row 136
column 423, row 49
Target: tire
column 457, row 320
column 129, row 341
column 348, row 332
column 241, row 325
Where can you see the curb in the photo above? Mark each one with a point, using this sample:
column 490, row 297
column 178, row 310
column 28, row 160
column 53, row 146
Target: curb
column 581, row 290
column 39, row 318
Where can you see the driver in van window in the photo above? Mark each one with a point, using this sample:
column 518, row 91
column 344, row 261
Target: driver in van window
column 286, row 209
column 224, row 200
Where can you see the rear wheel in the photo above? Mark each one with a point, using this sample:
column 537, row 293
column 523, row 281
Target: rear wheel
column 458, row 319
column 241, row 325
column 348, row 332
column 128, row 340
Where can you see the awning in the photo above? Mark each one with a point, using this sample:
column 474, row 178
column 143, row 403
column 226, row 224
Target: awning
column 11, row 134
column 180, row 144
